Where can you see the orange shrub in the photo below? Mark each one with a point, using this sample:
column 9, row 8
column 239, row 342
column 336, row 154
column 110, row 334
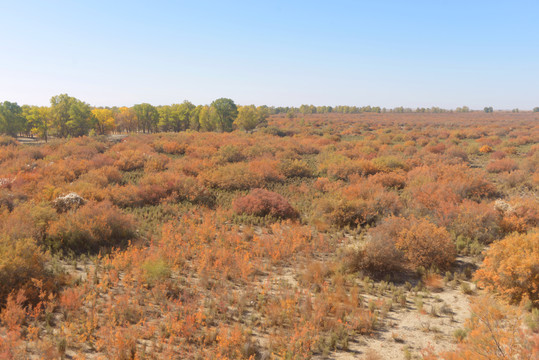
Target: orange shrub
column 511, row 268
column 234, row 176
column 91, row 227
column 389, row 180
column 170, row 147
column 502, row 165
column 497, row 155
column 21, row 261
column 260, row 202
column 425, row 244
column 130, row 160
column 344, row 168
column 295, row 168
column 520, row 215
column 379, row 254
column 485, row 149
column 156, row 163
column 343, row 212
column 359, row 204
column 267, row 169
column 475, row 221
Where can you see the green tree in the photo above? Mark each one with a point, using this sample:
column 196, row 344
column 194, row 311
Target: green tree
column 249, row 117
column 81, row 119
column 12, row 121
column 224, row 115
column 148, row 117
column 194, row 118
column 206, row 118
column 488, row 109
column 536, row 109
column 176, row 117
column 38, row 118
column 70, row 116
column 165, row 118
column 185, row 112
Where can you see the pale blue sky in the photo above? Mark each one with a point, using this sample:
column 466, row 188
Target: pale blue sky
column 386, row 53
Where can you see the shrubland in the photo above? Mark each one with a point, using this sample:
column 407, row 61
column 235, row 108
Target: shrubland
column 291, row 241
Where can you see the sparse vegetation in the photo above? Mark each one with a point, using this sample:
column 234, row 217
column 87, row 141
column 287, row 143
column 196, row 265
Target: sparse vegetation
column 293, row 241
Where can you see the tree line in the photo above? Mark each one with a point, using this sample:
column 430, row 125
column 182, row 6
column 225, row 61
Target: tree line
column 70, row 117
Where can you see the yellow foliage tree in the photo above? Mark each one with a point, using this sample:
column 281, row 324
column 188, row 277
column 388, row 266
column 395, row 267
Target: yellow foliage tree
column 104, row 120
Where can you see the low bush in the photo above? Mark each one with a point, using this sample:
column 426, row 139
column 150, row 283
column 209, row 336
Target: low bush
column 425, row 244
column 21, row 264
column 130, row 160
column 296, row 168
column 260, row 202
column 90, row 228
column 502, row 165
column 234, row 176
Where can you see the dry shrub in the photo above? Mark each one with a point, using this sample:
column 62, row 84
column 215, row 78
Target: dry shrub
column 498, row 155
column 156, row 163
column 485, row 149
column 433, row 282
column 344, row 212
column 436, row 149
column 521, row 215
column 456, row 152
column 234, row 176
column 502, row 165
column 170, row 147
column 425, row 244
column 343, row 168
column 156, row 188
column 91, row 227
column 130, row 160
column 398, row 242
column 267, row 169
column 295, row 168
column 359, row 204
column 260, row 202
column 495, row 331
column 22, row 262
column 511, row 267
column 230, row 154
column 389, row 180
column 475, row 221
column 103, row 176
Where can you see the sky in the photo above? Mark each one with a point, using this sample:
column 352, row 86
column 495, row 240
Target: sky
column 278, row 53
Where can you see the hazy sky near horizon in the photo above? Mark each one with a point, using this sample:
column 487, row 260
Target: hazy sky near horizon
column 385, row 53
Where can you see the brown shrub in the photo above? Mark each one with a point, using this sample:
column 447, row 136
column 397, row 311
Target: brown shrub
column 21, row 261
column 91, row 227
column 502, row 165
column 425, row 244
column 130, row 160
column 234, row 176
column 260, row 202
column 296, row 168
column 475, row 221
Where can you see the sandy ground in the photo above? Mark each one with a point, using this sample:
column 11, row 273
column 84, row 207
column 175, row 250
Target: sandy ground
column 411, row 330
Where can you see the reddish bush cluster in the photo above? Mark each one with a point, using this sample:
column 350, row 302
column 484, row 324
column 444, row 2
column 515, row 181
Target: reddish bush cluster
column 260, row 202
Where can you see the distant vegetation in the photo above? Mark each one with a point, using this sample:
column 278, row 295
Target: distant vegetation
column 70, row 117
